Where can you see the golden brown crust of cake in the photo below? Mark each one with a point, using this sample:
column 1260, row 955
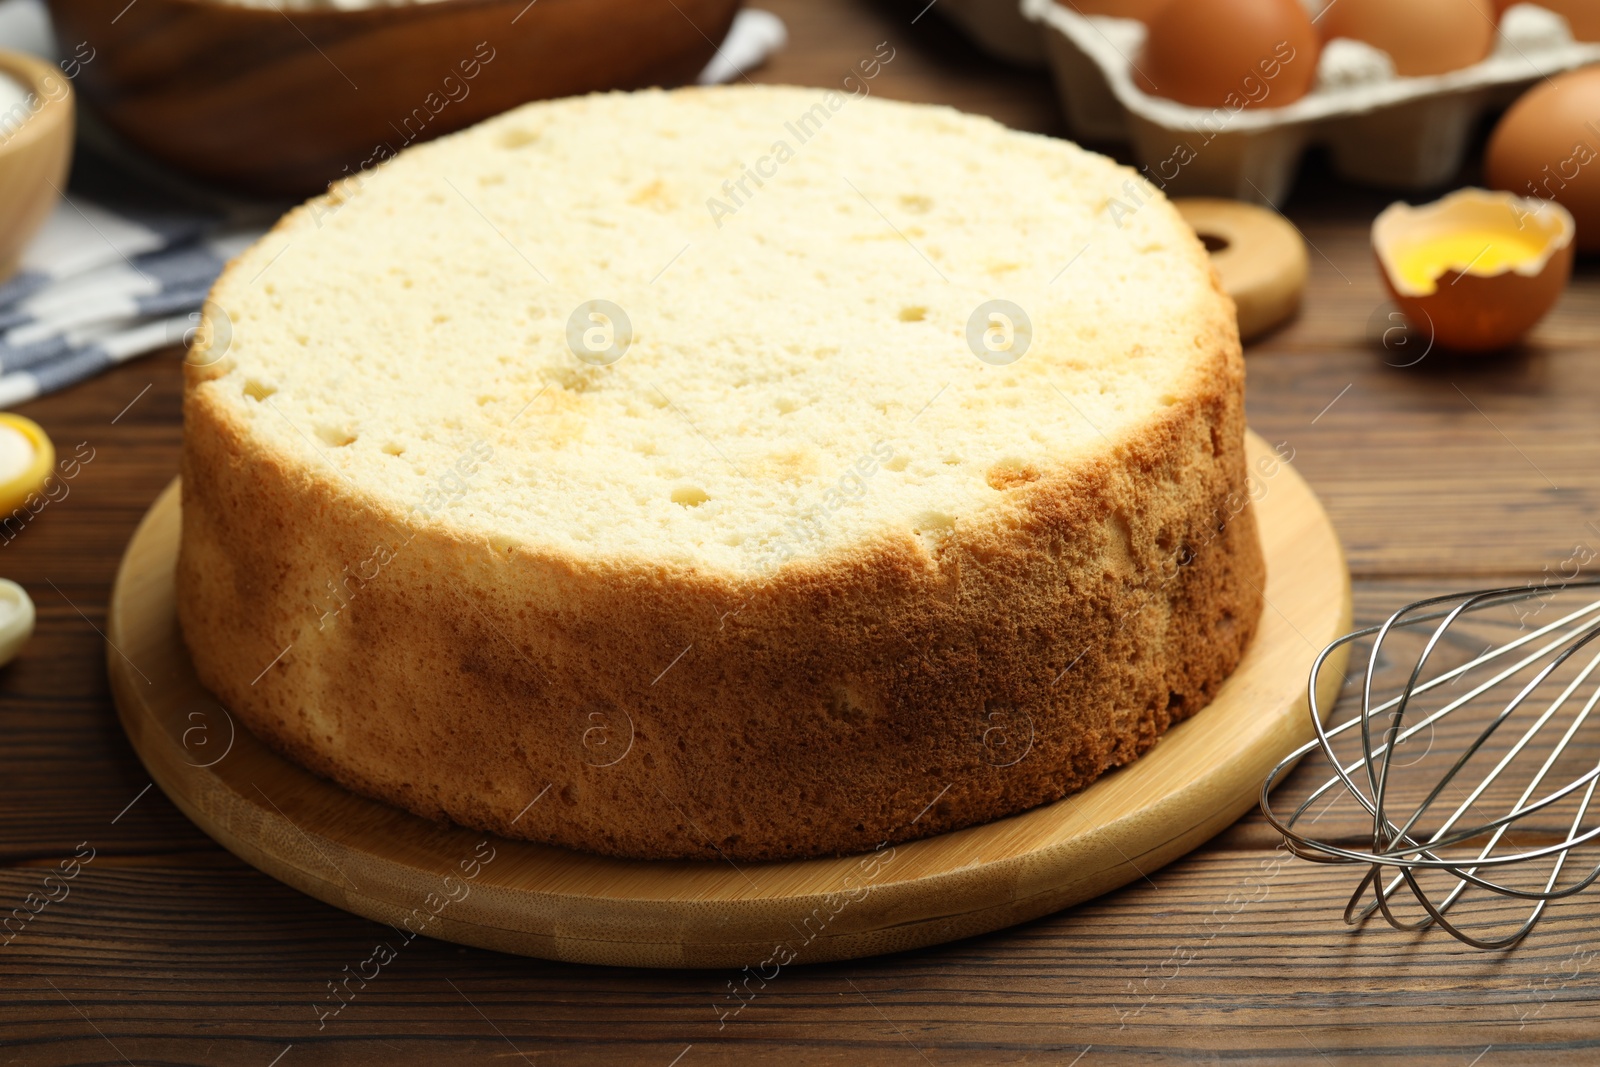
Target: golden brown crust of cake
column 830, row 706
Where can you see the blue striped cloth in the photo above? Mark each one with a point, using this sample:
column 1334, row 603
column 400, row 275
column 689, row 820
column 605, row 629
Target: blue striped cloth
column 122, row 265
column 99, row 286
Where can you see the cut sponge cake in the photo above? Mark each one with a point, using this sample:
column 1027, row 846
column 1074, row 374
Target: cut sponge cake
column 753, row 471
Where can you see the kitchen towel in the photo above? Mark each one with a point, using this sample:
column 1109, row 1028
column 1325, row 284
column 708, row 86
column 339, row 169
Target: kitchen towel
column 122, row 266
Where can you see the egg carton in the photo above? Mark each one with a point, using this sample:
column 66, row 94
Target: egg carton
column 1380, row 128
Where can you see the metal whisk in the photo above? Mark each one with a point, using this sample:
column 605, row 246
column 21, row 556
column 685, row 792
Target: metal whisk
column 1442, row 833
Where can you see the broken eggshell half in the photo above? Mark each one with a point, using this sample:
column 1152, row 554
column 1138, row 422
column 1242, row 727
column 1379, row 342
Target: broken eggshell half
column 1476, row 270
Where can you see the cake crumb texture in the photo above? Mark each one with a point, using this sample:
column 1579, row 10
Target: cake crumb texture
column 778, row 562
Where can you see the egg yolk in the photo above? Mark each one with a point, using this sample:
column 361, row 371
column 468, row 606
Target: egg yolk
column 16, row 454
column 1475, row 251
column 26, row 457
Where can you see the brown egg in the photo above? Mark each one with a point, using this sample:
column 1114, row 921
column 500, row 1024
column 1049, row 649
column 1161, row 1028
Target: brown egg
column 1421, row 36
column 1230, row 53
column 1122, row 9
column 1547, row 146
column 1477, row 270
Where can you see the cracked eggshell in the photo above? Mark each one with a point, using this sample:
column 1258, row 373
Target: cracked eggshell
column 1468, row 310
column 16, row 619
column 26, row 459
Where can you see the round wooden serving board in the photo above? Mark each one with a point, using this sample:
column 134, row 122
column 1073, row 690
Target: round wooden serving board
column 514, row 896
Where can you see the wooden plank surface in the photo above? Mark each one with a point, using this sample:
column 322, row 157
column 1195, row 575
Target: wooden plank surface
column 1441, row 476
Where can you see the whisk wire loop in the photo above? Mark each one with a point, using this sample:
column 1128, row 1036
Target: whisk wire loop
column 1398, row 841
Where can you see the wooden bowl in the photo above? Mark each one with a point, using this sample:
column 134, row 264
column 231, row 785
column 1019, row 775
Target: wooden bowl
column 282, row 102
column 34, row 155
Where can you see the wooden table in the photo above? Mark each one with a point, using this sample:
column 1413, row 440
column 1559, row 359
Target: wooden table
column 1446, row 475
